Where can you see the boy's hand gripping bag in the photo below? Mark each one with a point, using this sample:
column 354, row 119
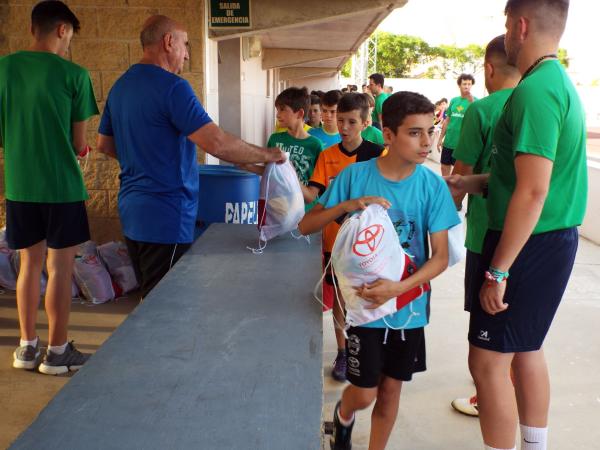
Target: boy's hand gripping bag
column 367, row 249
column 281, row 203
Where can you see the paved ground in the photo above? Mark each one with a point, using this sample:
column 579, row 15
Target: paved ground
column 23, row 394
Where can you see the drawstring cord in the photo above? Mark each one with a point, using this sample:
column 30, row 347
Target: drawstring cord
column 261, row 221
column 316, row 296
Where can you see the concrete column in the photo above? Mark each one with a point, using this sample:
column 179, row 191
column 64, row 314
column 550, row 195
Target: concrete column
column 230, row 111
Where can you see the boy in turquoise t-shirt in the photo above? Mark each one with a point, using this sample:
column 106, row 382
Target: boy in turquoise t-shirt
column 328, row 133
column 384, row 353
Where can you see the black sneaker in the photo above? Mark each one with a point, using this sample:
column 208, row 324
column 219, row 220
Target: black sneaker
column 338, row 373
column 341, row 438
column 71, row 360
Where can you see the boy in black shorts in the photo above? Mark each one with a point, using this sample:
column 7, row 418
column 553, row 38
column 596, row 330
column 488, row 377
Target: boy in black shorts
column 384, row 353
column 45, row 193
column 352, row 116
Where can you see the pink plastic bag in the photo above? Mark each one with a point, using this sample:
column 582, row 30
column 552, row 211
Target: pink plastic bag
column 116, row 258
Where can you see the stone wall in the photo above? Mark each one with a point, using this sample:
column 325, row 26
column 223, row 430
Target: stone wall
column 107, row 45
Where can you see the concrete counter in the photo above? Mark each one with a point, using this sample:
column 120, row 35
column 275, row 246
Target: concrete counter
column 225, row 353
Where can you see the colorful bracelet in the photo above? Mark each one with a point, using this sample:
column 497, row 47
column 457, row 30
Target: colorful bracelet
column 496, row 275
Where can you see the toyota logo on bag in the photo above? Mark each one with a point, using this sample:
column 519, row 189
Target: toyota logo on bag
column 368, row 240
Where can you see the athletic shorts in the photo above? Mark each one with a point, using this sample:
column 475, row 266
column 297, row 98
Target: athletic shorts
column 534, row 289
column 152, row 261
column 62, row 225
column 446, row 158
column 373, row 352
column 472, row 280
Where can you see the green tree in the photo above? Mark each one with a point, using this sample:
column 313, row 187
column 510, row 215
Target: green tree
column 398, row 54
column 452, row 60
column 347, row 69
column 563, row 57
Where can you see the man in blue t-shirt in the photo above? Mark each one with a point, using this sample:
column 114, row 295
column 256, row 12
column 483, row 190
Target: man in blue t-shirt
column 152, row 123
column 384, row 353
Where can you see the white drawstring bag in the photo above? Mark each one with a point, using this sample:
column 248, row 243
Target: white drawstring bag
column 456, row 242
column 366, row 249
column 281, row 203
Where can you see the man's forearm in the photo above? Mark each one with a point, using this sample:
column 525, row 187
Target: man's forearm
column 227, row 147
column 463, row 169
column 475, row 184
column 234, row 150
column 522, row 215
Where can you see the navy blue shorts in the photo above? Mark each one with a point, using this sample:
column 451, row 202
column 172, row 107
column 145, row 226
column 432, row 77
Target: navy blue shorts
column 537, row 282
column 446, row 158
column 472, row 280
column 62, row 225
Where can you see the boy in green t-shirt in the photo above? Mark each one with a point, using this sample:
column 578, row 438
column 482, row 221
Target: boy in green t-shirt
column 302, row 148
column 45, row 102
column 454, row 116
column 376, row 82
column 472, row 155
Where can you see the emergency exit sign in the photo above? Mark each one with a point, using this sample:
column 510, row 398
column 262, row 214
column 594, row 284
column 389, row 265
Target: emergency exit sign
column 229, row 14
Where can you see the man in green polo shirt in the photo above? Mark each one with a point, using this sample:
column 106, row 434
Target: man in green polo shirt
column 45, row 102
column 537, row 198
column 376, row 82
column 472, row 155
column 454, row 116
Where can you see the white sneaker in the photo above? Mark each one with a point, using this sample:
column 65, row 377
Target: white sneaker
column 466, row 406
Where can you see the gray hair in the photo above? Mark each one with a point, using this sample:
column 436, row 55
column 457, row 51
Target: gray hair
column 155, row 28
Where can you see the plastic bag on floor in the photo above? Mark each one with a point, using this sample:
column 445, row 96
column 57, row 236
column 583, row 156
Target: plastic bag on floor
column 8, row 276
column 366, row 249
column 281, row 203
column 116, row 258
column 92, row 277
column 74, row 288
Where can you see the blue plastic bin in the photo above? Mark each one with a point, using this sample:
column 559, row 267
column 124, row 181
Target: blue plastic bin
column 227, row 195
